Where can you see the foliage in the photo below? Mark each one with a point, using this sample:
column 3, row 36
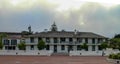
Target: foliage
column 117, row 36
column 22, row 46
column 3, row 35
column 84, row 46
column 1, row 45
column 114, row 56
column 104, row 45
column 41, row 45
column 25, row 33
column 115, row 43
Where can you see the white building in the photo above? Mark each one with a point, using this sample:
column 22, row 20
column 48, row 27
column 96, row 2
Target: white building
column 10, row 42
column 64, row 41
column 57, row 41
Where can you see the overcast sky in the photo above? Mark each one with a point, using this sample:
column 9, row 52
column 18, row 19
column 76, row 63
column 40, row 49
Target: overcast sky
column 98, row 16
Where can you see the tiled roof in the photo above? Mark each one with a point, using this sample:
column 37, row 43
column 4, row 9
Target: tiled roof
column 11, row 33
column 14, row 37
column 67, row 34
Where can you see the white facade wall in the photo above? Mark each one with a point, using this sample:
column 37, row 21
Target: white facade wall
column 16, row 48
column 59, row 48
column 89, row 41
column 51, row 44
column 83, row 40
column 51, row 47
column 28, row 47
column 90, row 48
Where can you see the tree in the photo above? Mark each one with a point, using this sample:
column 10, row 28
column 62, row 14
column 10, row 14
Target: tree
column 25, row 33
column 84, row 46
column 115, row 43
column 1, row 45
column 104, row 45
column 3, row 35
column 117, row 36
column 22, row 46
column 41, row 45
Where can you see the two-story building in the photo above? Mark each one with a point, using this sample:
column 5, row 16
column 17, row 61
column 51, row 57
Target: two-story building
column 11, row 40
column 64, row 41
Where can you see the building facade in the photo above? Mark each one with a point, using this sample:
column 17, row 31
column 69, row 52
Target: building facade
column 10, row 42
column 57, row 41
column 64, row 41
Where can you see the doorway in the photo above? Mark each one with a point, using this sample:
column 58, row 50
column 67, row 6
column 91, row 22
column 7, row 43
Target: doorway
column 70, row 47
column 55, row 48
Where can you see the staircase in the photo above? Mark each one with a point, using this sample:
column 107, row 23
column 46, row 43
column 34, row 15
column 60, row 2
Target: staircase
column 60, row 54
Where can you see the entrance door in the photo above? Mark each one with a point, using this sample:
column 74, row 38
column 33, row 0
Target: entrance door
column 70, row 47
column 55, row 48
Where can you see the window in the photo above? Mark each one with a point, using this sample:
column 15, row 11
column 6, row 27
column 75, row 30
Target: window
column 13, row 42
column 6, row 47
column 79, row 40
column 48, row 40
column 47, row 47
column 10, row 47
column 86, row 40
column 6, row 42
column 93, row 40
column 55, row 40
column 78, row 47
column 39, row 39
column 70, row 40
column 100, row 40
column 32, row 47
column 63, row 47
column 93, row 48
column 31, row 39
column 62, row 39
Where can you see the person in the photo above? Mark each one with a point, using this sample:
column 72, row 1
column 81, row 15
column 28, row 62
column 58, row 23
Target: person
column 103, row 53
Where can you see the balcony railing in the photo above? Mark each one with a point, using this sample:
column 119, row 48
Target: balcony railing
column 72, row 43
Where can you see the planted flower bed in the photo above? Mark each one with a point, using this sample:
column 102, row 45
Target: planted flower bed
column 114, row 58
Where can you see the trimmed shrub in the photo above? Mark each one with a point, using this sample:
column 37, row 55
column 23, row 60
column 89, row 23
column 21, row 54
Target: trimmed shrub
column 114, row 56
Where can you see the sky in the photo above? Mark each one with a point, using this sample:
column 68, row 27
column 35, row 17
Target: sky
column 98, row 16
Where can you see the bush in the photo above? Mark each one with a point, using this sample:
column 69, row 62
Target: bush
column 111, row 56
column 22, row 46
column 41, row 45
column 114, row 56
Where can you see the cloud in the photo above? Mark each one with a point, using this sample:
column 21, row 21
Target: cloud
column 95, row 16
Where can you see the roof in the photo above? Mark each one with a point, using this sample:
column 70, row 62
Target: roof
column 14, row 37
column 11, row 33
column 67, row 34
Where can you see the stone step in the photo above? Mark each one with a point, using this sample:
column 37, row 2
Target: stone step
column 60, row 54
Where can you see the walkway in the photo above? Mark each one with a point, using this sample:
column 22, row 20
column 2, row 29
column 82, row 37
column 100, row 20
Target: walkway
column 52, row 60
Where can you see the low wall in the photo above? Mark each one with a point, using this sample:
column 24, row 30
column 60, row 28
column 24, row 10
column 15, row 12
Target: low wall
column 92, row 53
column 21, row 52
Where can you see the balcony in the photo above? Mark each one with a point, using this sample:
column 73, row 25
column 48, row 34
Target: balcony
column 64, row 43
column 31, row 43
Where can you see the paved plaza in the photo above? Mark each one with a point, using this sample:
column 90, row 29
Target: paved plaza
column 53, row 60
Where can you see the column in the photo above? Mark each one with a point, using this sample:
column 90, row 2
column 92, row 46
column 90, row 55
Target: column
column 66, row 48
column 51, row 47
column 96, row 48
column 59, row 48
column 51, row 40
column 90, row 48
column 74, row 48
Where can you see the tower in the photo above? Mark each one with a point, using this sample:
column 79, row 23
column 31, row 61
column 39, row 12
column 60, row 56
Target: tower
column 53, row 27
column 29, row 29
